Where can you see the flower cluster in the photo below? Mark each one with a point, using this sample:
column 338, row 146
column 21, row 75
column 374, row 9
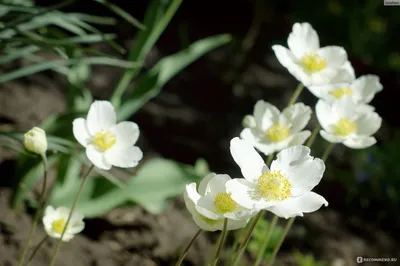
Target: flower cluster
column 285, row 187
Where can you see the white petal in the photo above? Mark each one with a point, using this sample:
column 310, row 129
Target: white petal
column 303, row 39
column 296, row 206
column 207, row 224
column 191, row 197
column 298, row 114
column 127, row 133
column 217, row 184
column 265, row 114
column 242, row 191
column 345, row 107
column 284, row 56
column 97, row 158
column 303, row 171
column 203, row 186
column 368, row 124
column 365, row 87
column 335, row 56
column 300, row 138
column 331, row 137
column 324, row 114
column 248, row 135
column 101, row 116
column 124, row 158
column 360, row 142
column 206, row 207
column 250, row 162
column 76, row 229
column 322, row 77
column 80, row 132
column 49, row 210
column 237, row 224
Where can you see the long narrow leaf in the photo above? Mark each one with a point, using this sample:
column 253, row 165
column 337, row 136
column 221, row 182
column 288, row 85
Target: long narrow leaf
column 149, row 85
column 18, row 53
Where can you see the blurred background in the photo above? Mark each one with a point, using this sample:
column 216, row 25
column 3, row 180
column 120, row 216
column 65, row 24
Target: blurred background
column 201, row 108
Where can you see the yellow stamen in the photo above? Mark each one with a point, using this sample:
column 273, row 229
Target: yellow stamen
column 274, row 186
column 340, row 92
column 224, row 203
column 277, row 132
column 58, row 225
column 345, row 127
column 312, row 62
column 104, row 140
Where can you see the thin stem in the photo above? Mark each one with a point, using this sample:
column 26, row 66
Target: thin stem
column 247, row 238
column 185, row 251
column 53, row 259
column 235, row 245
column 269, row 159
column 314, row 134
column 38, row 211
column 327, row 151
column 221, row 242
column 37, row 248
column 296, row 94
column 284, row 234
column 266, row 241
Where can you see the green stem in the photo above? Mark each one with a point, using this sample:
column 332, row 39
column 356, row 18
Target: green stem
column 246, row 240
column 284, row 234
column 37, row 248
column 327, row 151
column 269, row 159
column 235, row 245
column 314, row 134
column 296, row 94
column 266, row 241
column 38, row 211
column 221, row 242
column 53, row 258
column 185, row 251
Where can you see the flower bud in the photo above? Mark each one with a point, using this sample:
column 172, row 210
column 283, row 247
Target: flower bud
column 35, row 140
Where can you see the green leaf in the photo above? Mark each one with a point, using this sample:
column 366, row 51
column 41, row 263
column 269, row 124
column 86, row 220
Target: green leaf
column 156, row 19
column 46, row 65
column 18, row 53
column 122, row 13
column 157, row 181
column 149, row 85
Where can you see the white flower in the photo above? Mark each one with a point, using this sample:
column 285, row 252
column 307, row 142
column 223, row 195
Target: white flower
column 35, row 140
column 270, row 131
column 212, row 204
column 343, row 121
column 54, row 221
column 285, row 189
column 306, row 61
column 362, row 90
column 107, row 143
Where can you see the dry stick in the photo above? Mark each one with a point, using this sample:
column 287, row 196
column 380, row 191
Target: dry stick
column 266, row 241
column 221, row 241
column 185, row 251
column 38, row 211
column 246, row 240
column 37, row 248
column 70, row 215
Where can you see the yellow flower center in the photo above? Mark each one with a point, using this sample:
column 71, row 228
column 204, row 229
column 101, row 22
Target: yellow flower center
column 273, row 186
column 345, row 127
column 340, row 92
column 224, row 203
column 104, row 140
column 58, row 225
column 277, row 132
column 312, row 62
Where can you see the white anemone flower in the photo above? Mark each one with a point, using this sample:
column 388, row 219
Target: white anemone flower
column 343, row 121
column 269, row 130
column 306, row 60
column 211, row 204
column 54, row 221
column 285, row 189
column 362, row 90
column 107, row 143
